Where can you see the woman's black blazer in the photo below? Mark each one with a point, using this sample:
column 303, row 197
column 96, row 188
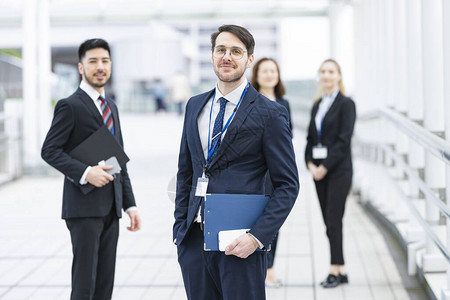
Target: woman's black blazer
column 285, row 103
column 337, row 130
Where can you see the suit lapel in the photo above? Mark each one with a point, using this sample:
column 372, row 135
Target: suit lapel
column 196, row 113
column 115, row 116
column 89, row 104
column 242, row 113
column 313, row 116
column 332, row 107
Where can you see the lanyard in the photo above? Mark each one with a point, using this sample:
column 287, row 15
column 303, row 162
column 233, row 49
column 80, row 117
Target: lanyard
column 211, row 151
column 319, row 131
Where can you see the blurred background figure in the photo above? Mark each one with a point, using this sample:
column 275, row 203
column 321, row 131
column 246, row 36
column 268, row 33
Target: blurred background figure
column 266, row 80
column 181, row 91
column 329, row 159
column 159, row 92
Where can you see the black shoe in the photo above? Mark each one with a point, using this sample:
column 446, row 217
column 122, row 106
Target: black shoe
column 325, row 281
column 331, row 281
column 344, row 278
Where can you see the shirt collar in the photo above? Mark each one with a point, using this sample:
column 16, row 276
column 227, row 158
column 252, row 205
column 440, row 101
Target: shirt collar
column 92, row 93
column 331, row 97
column 233, row 96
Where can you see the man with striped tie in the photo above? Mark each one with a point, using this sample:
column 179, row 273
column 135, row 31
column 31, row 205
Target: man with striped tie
column 92, row 218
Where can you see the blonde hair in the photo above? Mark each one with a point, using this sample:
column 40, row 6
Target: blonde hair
column 320, row 91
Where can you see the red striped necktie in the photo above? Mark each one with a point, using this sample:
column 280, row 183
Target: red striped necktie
column 107, row 115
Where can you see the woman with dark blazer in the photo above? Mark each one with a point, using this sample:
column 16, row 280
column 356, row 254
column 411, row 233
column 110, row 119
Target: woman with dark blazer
column 266, row 80
column 328, row 158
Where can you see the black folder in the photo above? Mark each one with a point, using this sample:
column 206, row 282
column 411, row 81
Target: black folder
column 99, row 146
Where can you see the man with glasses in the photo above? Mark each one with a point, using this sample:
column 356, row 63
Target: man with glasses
column 232, row 135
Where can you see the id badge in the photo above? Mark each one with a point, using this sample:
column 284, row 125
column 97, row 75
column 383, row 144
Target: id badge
column 202, row 186
column 319, row 152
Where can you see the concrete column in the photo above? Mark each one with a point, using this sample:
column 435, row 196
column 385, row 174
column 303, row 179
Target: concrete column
column 360, row 55
column 378, row 46
column 414, row 60
column 400, row 59
column 400, row 75
column 364, row 58
column 44, row 69
column 387, row 77
column 30, row 79
column 446, row 57
column 433, row 106
column 36, row 81
column 342, row 44
column 414, row 91
column 389, row 46
column 379, row 66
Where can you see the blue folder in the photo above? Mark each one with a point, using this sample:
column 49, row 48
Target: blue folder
column 229, row 212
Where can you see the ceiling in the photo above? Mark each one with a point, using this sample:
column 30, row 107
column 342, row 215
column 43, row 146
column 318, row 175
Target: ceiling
column 135, row 11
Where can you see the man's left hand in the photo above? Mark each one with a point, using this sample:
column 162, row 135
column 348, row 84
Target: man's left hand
column 135, row 221
column 242, row 247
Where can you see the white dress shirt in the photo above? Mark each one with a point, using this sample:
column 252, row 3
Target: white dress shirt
column 324, row 106
column 203, row 119
column 94, row 94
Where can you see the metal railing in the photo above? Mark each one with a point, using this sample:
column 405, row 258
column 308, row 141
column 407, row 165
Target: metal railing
column 431, row 143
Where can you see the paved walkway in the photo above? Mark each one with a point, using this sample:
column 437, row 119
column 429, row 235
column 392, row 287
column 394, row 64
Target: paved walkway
column 35, row 250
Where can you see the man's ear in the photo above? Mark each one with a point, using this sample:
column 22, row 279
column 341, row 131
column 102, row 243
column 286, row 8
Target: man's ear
column 251, row 58
column 80, row 68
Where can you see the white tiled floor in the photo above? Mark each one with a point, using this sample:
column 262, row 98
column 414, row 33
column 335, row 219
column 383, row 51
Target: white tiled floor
column 35, row 251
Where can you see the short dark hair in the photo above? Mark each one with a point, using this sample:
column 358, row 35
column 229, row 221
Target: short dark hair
column 92, row 44
column 279, row 88
column 242, row 34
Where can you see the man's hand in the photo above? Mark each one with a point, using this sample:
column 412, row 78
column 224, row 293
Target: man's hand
column 135, row 221
column 242, row 247
column 98, row 177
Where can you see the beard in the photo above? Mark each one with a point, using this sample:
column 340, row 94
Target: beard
column 96, row 84
column 226, row 78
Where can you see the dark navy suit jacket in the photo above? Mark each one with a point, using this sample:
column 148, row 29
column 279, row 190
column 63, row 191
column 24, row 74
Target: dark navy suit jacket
column 75, row 119
column 258, row 139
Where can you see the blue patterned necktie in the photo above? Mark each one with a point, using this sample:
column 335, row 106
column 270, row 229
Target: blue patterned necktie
column 218, row 124
column 107, row 115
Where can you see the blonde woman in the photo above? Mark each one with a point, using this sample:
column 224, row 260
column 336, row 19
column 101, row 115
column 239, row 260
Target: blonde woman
column 328, row 158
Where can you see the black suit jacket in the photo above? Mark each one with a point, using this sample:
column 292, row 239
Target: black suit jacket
column 258, row 139
column 337, row 130
column 75, row 119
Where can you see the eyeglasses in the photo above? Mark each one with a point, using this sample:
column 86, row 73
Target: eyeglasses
column 235, row 52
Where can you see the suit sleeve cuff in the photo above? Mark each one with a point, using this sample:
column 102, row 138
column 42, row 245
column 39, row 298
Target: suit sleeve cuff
column 261, row 246
column 131, row 208
column 83, row 180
